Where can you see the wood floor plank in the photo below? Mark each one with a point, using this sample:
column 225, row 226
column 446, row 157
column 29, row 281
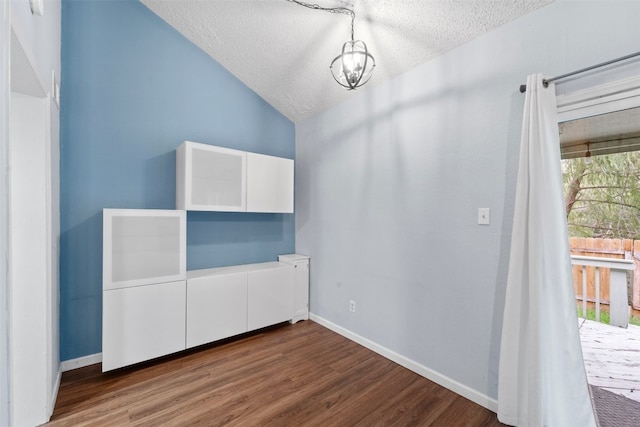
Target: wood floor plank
column 326, row 401
column 302, row 375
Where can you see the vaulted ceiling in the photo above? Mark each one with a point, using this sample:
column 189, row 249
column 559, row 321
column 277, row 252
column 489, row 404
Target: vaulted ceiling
column 282, row 50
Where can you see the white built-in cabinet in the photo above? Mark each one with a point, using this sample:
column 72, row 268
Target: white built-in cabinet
column 153, row 307
column 143, row 285
column 300, row 286
column 269, row 183
column 142, row 323
column 143, row 246
column 151, row 320
column 211, row 178
column 217, row 305
column 227, row 301
column 269, row 295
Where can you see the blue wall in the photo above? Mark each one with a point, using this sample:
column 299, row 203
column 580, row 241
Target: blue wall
column 133, row 89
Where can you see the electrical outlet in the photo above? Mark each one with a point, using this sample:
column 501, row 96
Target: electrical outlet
column 352, row 306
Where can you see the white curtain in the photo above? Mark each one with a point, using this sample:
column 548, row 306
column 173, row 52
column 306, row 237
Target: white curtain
column 542, row 379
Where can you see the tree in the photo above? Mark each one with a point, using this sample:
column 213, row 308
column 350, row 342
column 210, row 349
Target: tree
column 603, row 197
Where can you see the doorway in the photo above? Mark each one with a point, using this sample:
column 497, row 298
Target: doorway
column 599, row 143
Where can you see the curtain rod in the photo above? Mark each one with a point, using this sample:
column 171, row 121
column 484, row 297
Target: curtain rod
column 545, row 82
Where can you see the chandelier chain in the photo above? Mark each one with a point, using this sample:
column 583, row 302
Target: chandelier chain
column 338, row 10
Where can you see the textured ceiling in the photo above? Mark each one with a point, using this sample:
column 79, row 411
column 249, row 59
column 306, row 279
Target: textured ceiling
column 282, row 50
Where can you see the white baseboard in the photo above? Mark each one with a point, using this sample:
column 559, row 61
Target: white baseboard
column 446, row 382
column 54, row 393
column 80, row 362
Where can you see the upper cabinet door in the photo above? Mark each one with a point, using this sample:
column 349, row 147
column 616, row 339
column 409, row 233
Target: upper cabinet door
column 210, row 178
column 269, row 184
column 143, row 246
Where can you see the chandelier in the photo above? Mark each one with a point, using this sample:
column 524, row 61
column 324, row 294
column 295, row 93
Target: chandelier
column 354, row 66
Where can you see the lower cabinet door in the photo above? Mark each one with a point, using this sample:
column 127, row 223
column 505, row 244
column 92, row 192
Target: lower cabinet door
column 216, row 308
column 270, row 298
column 142, row 322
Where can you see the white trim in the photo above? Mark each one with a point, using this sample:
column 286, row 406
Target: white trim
column 606, row 98
column 5, row 207
column 24, row 78
column 54, row 394
column 446, row 382
column 80, row 362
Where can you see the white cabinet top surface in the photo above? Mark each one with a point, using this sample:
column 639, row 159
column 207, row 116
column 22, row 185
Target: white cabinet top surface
column 292, row 257
column 220, row 271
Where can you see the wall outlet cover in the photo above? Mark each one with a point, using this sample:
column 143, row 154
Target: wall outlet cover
column 483, row 216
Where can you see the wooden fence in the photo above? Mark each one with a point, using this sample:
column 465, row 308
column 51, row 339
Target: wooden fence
column 607, row 248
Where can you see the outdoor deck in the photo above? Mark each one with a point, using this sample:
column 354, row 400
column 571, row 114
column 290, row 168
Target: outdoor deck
column 612, row 357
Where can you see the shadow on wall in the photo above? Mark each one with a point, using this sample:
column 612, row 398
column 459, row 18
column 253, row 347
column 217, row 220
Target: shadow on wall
column 81, row 288
column 510, row 179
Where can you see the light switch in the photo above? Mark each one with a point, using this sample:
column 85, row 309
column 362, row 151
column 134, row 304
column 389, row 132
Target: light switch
column 483, row 216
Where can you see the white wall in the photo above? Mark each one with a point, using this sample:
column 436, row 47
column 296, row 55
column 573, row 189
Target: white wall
column 38, row 39
column 29, row 345
column 388, row 185
column 5, row 42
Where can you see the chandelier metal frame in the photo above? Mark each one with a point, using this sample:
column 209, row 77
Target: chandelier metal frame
column 350, row 74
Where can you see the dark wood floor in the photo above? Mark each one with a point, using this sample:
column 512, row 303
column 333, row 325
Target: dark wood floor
column 292, row 375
